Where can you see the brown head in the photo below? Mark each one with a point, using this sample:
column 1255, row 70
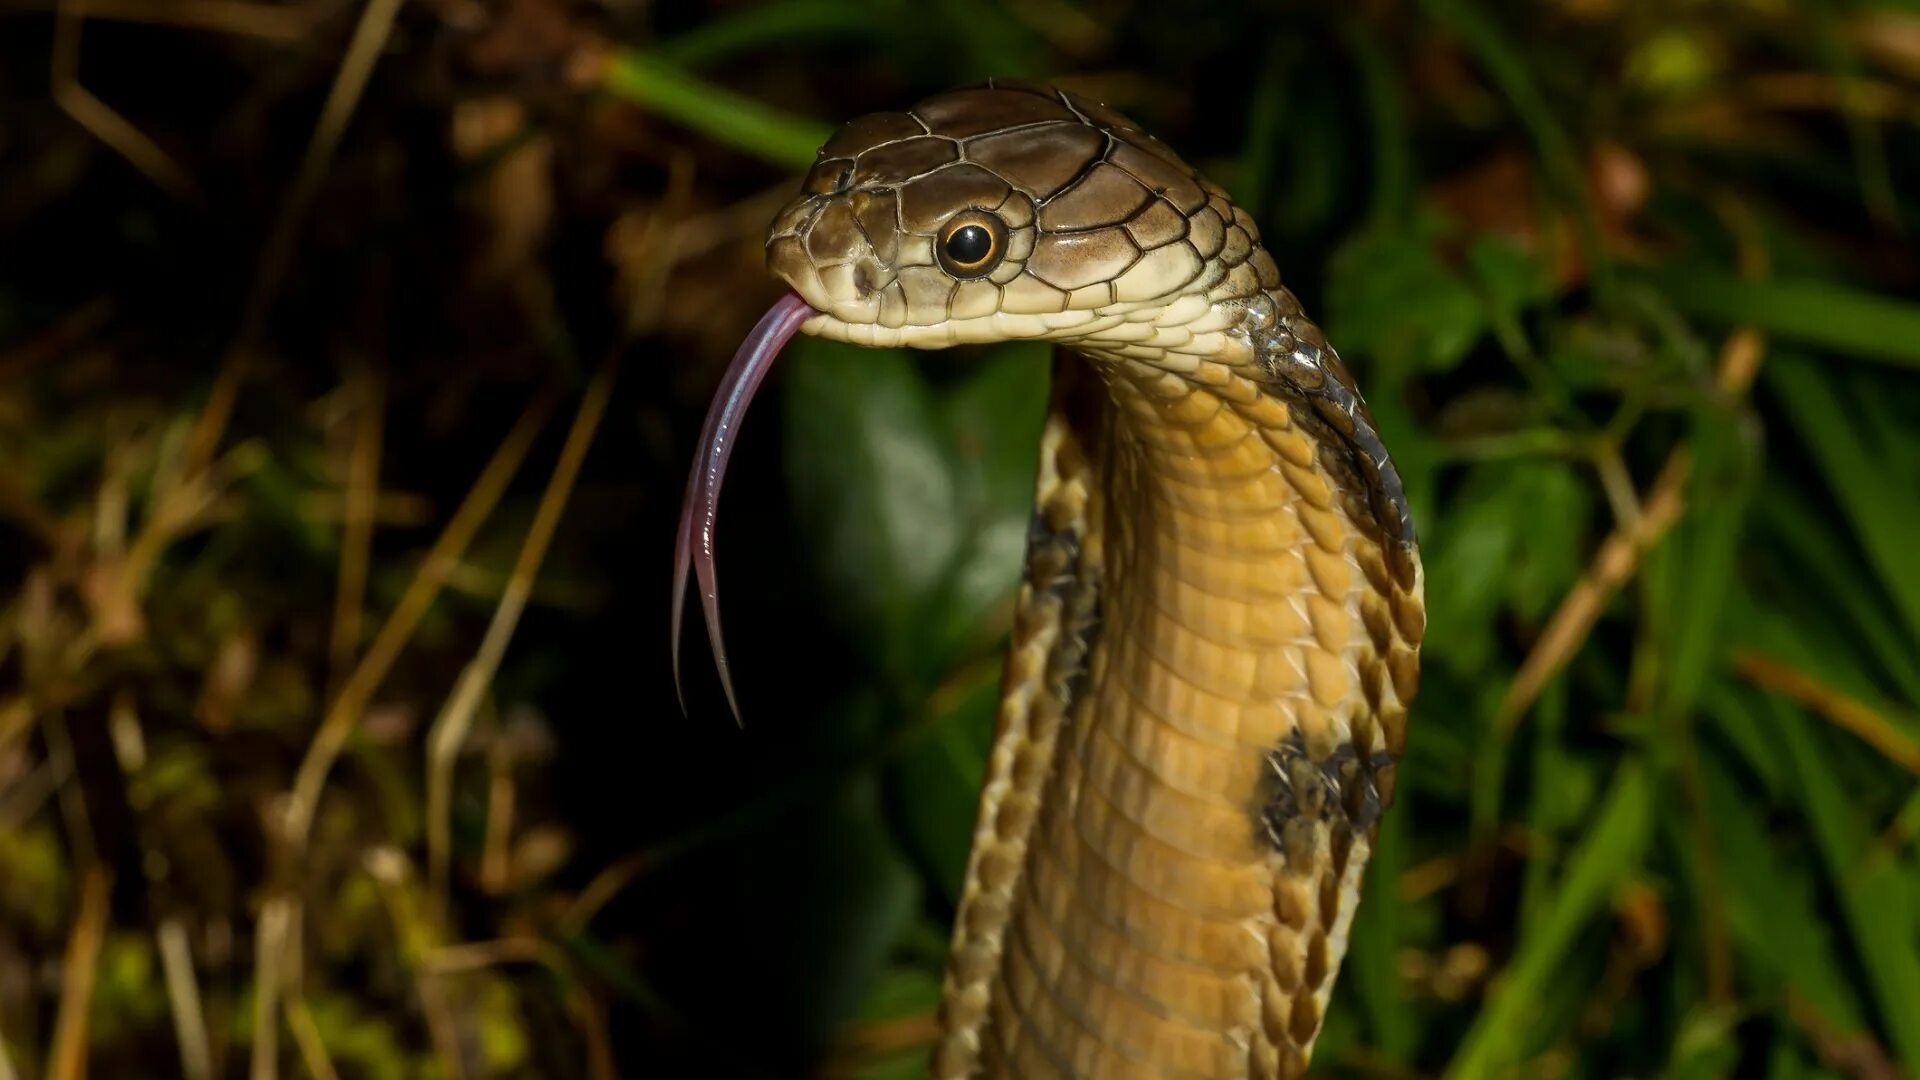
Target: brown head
column 1009, row 211
column 1014, row 211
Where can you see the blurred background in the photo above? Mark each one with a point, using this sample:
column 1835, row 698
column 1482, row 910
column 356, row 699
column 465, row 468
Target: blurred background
column 351, row 358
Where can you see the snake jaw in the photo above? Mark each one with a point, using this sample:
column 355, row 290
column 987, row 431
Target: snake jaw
column 693, row 551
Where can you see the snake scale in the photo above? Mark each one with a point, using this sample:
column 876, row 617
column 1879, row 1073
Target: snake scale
column 1217, row 634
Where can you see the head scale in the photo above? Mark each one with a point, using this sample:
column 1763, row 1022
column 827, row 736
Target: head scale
column 991, row 213
column 1008, row 211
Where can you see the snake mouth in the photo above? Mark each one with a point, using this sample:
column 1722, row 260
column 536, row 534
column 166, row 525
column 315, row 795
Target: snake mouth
column 700, row 507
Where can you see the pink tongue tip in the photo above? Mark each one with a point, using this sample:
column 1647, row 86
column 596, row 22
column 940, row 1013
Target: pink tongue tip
column 693, row 548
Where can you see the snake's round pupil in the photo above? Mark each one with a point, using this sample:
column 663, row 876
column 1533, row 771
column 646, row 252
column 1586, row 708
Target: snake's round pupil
column 969, row 245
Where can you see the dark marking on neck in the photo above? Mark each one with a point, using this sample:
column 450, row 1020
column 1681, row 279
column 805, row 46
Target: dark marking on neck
column 1055, row 569
column 1308, row 374
column 1296, row 792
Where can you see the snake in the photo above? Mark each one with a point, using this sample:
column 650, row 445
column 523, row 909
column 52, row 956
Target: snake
column 1216, row 633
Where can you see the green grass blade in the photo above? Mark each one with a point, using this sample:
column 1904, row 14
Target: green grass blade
column 1608, row 855
column 738, row 121
column 1873, row 895
column 1787, row 945
column 1819, row 313
column 1835, row 590
column 1707, row 546
column 1851, row 462
column 774, row 24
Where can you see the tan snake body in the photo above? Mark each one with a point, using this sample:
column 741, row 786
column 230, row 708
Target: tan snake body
column 1218, row 631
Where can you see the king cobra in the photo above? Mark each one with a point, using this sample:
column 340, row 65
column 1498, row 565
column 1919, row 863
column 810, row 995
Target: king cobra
column 1217, row 633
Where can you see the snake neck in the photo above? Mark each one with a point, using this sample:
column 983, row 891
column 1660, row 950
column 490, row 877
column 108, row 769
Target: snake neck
column 1202, row 711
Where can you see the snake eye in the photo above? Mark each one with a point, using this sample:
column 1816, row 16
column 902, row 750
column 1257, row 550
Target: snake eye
column 971, row 243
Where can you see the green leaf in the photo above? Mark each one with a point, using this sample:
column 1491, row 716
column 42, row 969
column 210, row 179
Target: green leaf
column 937, row 778
column 902, row 991
column 991, row 420
column 1513, row 540
column 873, row 487
column 1511, row 278
column 853, row 897
column 1390, row 297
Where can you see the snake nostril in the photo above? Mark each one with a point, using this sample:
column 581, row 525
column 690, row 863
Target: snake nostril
column 865, row 278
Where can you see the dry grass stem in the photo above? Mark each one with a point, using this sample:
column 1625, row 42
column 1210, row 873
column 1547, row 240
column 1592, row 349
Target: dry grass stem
column 1841, row 709
column 351, row 702
column 81, row 966
column 356, row 540
column 1618, row 558
column 451, row 727
column 306, row 1036
column 101, row 120
column 276, row 256
column 183, row 999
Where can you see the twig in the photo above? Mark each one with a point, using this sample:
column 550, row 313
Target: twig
column 607, row 884
column 68, row 1058
column 1421, row 880
column 54, row 339
column 1857, row 1054
column 1619, row 556
column 100, row 119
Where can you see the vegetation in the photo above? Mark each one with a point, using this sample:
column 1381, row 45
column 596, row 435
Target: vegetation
column 350, row 360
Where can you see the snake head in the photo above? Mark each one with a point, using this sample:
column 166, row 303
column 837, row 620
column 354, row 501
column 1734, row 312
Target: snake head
column 992, row 213
column 1009, row 211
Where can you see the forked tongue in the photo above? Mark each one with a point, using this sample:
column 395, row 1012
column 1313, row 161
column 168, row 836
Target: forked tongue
column 693, row 549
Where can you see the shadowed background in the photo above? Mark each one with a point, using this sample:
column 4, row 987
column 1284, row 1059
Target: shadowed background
column 351, row 357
